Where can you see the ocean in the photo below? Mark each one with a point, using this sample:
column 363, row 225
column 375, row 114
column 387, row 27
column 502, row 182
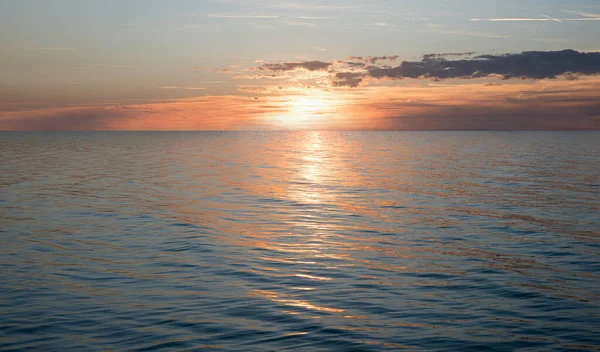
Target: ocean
column 307, row 241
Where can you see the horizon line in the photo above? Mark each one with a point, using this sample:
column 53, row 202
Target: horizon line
column 300, row 130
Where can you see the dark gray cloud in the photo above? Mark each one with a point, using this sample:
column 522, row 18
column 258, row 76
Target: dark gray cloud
column 347, row 79
column 354, row 64
column 436, row 56
column 373, row 59
column 291, row 66
column 527, row 65
column 354, row 70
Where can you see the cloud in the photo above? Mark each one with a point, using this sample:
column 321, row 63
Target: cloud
column 351, row 64
column 206, row 113
column 537, row 105
column 314, row 17
column 182, row 87
column 278, row 89
column 437, row 56
column 243, row 16
column 474, row 34
column 568, row 64
column 228, row 69
column 585, row 16
column 529, row 64
column 304, row 5
column 52, row 49
column 532, row 100
column 298, row 23
column 261, row 77
column 373, row 59
column 508, row 19
column 552, row 18
column 93, row 118
column 291, row 66
column 347, row 79
column 558, row 104
column 105, row 66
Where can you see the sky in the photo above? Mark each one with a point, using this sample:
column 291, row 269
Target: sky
column 299, row 65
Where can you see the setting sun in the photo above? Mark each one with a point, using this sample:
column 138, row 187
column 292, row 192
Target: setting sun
column 304, row 112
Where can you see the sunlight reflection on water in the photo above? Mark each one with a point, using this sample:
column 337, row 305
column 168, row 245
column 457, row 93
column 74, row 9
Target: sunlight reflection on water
column 306, row 240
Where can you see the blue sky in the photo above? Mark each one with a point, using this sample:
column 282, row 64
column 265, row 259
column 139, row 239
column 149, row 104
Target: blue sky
column 61, row 52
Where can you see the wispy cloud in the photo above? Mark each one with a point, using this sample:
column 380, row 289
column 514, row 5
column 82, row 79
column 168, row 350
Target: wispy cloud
column 318, row 48
column 582, row 19
column 298, row 23
column 509, row 19
column 183, row 88
column 243, row 16
column 105, row 66
column 552, row 18
column 261, row 77
column 278, row 89
column 291, row 66
column 52, row 49
column 314, row 17
column 373, row 59
column 585, row 16
column 314, row 6
column 437, row 56
column 228, row 69
column 552, row 40
column 206, row 113
column 473, row 34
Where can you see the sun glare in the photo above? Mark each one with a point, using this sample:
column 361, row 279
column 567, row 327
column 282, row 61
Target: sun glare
column 310, row 105
column 304, row 112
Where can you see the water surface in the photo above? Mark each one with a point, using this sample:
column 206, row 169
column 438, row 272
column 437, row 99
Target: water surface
column 341, row 241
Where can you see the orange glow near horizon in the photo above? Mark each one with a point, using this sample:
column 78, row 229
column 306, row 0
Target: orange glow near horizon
column 303, row 112
column 403, row 106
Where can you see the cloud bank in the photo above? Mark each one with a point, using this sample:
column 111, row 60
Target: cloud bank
column 529, row 65
column 437, row 66
column 532, row 100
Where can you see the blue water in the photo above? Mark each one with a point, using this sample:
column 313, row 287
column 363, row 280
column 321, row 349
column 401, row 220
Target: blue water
column 328, row 241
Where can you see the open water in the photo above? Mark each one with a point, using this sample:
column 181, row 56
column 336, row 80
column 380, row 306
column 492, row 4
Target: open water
column 325, row 241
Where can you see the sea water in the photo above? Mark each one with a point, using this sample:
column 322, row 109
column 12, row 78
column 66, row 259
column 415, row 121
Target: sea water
column 325, row 241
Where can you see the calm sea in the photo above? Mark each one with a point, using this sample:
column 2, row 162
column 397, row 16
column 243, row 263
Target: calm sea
column 328, row 241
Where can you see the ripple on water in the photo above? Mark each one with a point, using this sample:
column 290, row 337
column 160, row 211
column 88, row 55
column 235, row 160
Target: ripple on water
column 307, row 241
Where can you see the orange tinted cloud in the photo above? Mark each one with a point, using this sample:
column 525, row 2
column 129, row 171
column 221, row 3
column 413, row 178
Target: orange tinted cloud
column 545, row 104
column 206, row 113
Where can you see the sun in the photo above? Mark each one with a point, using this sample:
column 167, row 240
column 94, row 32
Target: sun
column 304, row 112
column 308, row 105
